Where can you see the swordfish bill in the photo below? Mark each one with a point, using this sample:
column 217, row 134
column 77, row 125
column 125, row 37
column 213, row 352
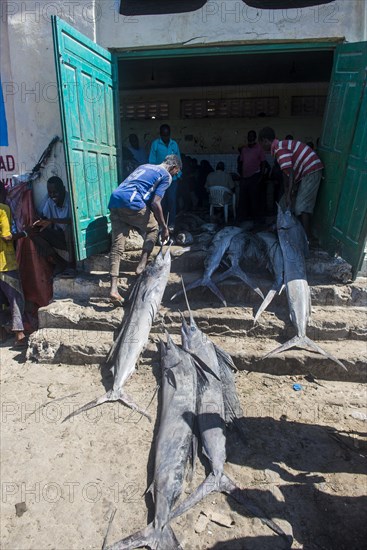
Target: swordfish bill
column 293, row 243
column 173, row 446
column 133, row 336
column 216, row 251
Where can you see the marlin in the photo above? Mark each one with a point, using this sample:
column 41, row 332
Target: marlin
column 293, row 242
column 235, row 251
column 173, row 445
column 275, row 264
column 211, row 423
column 216, row 251
column 146, row 297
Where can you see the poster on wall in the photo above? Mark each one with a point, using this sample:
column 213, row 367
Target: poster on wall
column 7, row 136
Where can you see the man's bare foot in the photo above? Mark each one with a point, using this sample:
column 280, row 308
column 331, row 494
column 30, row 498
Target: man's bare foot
column 116, row 299
column 142, row 263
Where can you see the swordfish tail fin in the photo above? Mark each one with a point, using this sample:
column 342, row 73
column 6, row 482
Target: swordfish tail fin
column 267, row 300
column 150, row 537
column 305, row 343
column 236, row 271
column 109, row 397
column 223, row 484
column 203, row 282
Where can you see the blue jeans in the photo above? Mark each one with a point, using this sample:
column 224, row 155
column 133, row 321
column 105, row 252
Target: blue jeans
column 169, row 203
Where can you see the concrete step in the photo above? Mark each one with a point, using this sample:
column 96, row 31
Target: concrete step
column 86, row 286
column 319, row 264
column 326, row 323
column 75, row 347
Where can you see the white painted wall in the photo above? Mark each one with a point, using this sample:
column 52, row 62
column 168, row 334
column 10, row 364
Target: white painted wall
column 230, row 21
column 224, row 135
column 29, row 81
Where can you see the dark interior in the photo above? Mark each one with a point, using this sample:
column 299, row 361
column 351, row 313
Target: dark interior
column 225, row 70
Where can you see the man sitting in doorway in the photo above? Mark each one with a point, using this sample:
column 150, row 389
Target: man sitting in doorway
column 137, row 203
column 52, row 231
column 301, row 169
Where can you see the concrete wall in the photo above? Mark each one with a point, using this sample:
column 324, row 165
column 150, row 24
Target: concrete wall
column 229, row 21
column 224, row 135
column 29, row 82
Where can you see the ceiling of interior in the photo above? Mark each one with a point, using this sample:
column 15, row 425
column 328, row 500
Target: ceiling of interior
column 225, row 70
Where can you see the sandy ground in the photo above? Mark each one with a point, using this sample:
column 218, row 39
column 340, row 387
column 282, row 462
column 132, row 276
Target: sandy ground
column 304, row 462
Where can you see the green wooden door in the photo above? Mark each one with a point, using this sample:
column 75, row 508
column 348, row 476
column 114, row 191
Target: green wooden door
column 86, row 76
column 340, row 218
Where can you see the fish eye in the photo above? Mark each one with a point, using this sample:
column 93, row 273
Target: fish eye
column 192, row 329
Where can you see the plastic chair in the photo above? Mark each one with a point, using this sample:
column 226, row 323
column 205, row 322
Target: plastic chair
column 222, row 197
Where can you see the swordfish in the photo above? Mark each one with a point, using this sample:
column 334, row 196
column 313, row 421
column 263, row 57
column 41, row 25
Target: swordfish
column 173, row 445
column 211, row 413
column 293, row 242
column 216, row 251
column 146, row 298
column 238, row 244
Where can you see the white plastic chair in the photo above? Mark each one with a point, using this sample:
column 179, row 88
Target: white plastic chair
column 222, row 197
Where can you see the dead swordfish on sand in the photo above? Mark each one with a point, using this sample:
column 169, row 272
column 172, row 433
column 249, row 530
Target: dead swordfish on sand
column 133, row 336
column 216, row 251
column 293, row 243
column 211, row 415
column 173, row 445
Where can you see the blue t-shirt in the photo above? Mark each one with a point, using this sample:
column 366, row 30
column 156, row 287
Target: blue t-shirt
column 138, row 189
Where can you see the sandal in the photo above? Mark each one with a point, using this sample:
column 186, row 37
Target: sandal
column 21, row 344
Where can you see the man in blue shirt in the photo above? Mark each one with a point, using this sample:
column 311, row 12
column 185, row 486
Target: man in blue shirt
column 137, row 203
column 160, row 148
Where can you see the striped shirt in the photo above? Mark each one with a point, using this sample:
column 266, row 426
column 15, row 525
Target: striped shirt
column 292, row 154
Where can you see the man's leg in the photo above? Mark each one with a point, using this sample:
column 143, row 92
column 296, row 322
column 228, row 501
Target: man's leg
column 46, row 241
column 146, row 222
column 120, row 230
column 306, row 199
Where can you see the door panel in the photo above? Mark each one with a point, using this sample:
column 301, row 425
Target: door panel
column 87, row 81
column 340, row 217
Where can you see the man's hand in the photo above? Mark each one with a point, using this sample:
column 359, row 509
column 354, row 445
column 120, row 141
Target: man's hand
column 42, row 224
column 164, row 234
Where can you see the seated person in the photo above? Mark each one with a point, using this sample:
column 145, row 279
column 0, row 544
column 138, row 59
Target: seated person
column 220, row 178
column 53, row 230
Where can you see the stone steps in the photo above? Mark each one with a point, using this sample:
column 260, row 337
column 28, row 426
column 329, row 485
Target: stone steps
column 76, row 346
column 319, row 264
column 87, row 286
column 326, row 323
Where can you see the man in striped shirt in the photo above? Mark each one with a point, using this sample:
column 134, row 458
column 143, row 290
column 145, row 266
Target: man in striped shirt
column 301, row 169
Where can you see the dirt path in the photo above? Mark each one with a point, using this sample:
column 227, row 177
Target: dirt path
column 304, row 462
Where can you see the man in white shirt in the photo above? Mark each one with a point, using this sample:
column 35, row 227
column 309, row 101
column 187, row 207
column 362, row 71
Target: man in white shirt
column 53, row 229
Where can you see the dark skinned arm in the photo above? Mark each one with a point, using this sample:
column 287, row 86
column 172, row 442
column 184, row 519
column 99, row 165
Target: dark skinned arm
column 156, row 208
